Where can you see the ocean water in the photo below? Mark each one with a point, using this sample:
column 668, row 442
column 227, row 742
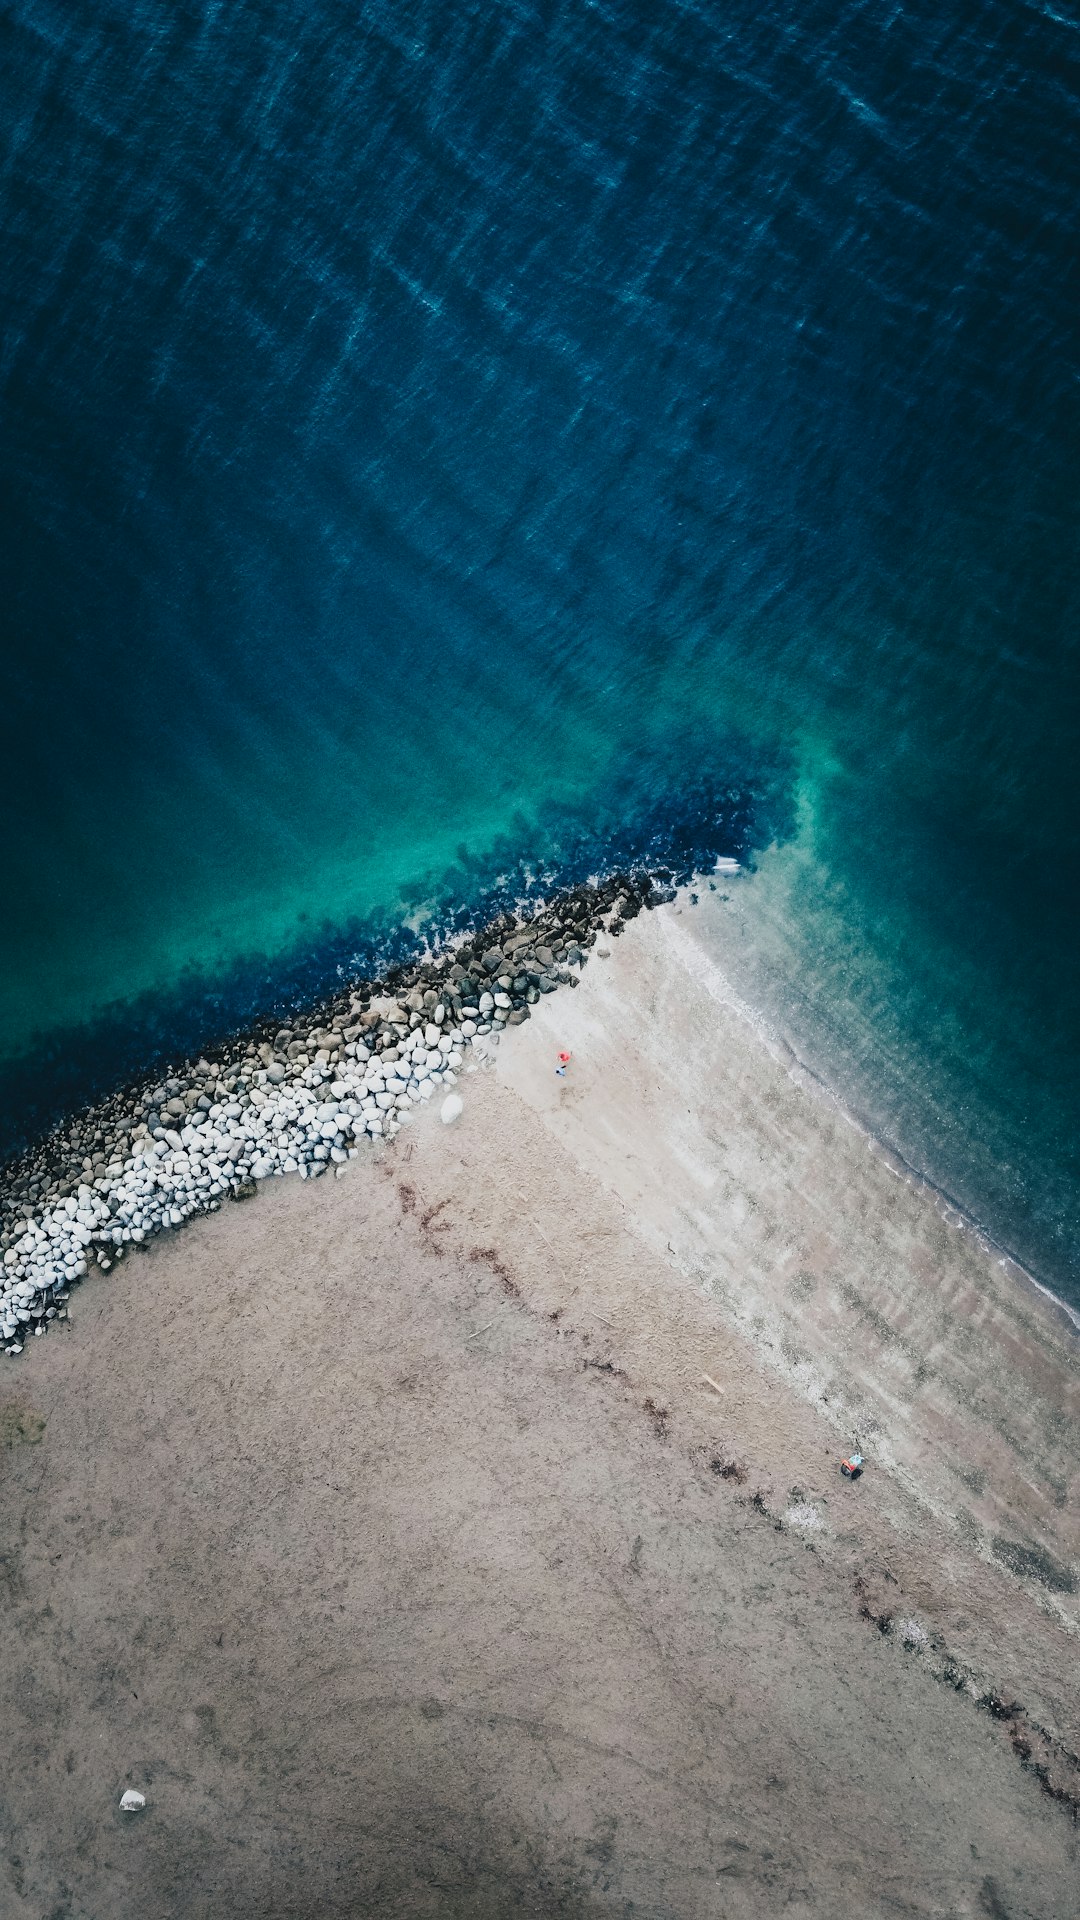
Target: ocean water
column 446, row 444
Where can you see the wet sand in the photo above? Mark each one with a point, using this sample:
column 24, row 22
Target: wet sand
column 386, row 1533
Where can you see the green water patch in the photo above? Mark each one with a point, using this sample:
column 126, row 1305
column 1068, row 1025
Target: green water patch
column 951, row 1038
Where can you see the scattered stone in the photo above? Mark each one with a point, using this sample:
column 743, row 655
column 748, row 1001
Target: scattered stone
column 132, row 1800
column 914, row 1636
column 803, row 1515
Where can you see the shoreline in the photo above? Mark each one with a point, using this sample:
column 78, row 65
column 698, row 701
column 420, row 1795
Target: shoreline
column 439, row 1528
column 47, row 1078
column 952, row 1210
column 887, row 1351
column 164, row 1150
column 342, row 1035
column 492, row 1488
column 854, row 1282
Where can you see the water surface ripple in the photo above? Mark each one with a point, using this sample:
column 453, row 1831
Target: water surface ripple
column 438, row 437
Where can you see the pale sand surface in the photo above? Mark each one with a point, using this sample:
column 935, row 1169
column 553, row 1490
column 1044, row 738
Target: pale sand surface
column 351, row 1540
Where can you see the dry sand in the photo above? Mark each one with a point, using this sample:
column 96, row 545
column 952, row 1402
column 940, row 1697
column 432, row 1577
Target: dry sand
column 386, row 1534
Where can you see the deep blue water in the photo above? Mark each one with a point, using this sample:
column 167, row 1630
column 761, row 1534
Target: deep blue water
column 438, row 438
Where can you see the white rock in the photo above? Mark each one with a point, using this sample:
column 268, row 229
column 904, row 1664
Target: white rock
column 803, row 1514
column 132, row 1800
column 451, row 1109
column 388, row 1009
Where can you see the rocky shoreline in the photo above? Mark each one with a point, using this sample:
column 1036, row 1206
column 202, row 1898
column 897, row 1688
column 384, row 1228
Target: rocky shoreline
column 300, row 1098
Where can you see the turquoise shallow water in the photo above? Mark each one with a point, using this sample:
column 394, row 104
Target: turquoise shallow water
column 440, row 445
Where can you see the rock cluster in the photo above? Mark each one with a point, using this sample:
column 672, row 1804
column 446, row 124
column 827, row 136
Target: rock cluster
column 299, row 1099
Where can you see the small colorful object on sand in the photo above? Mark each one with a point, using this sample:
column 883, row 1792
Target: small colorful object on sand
column 852, row 1466
column 564, row 1062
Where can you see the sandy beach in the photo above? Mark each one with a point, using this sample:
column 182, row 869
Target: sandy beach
column 465, row 1535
